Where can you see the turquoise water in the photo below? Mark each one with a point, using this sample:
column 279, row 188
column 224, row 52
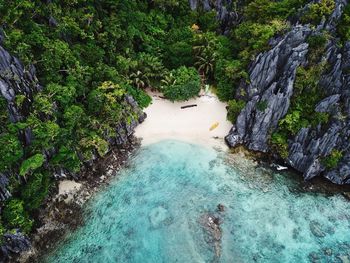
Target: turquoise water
column 154, row 212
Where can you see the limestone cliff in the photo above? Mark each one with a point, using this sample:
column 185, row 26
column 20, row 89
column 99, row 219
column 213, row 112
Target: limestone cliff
column 272, row 77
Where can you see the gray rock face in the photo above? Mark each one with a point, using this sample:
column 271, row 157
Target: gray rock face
column 14, row 244
column 127, row 127
column 327, row 104
column 4, row 181
column 16, row 80
column 225, row 11
column 272, row 77
column 310, row 146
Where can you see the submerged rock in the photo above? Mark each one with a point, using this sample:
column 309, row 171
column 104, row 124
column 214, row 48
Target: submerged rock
column 221, row 208
column 213, row 232
column 316, row 229
column 344, row 258
column 159, row 216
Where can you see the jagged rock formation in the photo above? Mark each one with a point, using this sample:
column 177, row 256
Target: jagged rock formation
column 226, row 11
column 125, row 129
column 272, row 77
column 15, row 80
column 14, row 244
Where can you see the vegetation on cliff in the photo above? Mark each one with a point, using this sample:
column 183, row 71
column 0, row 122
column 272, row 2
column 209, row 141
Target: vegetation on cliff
column 90, row 55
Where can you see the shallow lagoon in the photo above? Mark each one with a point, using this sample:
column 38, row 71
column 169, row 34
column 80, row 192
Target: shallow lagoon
column 152, row 213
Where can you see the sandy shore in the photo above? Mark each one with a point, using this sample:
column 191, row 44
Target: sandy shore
column 166, row 120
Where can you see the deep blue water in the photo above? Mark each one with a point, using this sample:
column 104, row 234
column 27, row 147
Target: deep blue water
column 153, row 211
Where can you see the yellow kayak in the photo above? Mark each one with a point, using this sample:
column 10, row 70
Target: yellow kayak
column 214, row 126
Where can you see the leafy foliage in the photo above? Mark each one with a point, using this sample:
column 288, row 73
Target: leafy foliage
column 31, row 164
column 90, row 54
column 252, row 38
column 265, row 10
column 208, row 48
column 11, row 151
column 279, row 144
column 344, row 25
column 262, row 105
column 35, row 191
column 15, row 215
column 331, row 161
column 186, row 84
column 228, row 74
column 142, row 98
column 318, row 10
column 234, row 108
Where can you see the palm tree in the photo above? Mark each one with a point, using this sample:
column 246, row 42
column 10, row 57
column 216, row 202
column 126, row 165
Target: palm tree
column 206, row 55
column 205, row 63
column 139, row 79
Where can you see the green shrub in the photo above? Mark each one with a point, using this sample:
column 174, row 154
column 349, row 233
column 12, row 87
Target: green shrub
column 225, row 89
column 317, row 47
column 66, row 158
column 280, row 144
column 185, row 86
column 319, row 118
column 263, row 11
column 307, row 94
column 178, row 49
column 331, row 161
column 14, row 215
column 228, row 74
column 151, row 67
column 35, row 191
column 31, row 164
column 93, row 143
column 234, row 108
column 11, row 151
column 262, row 105
column 252, row 38
column 141, row 97
column 207, row 21
column 343, row 28
column 206, row 48
column 317, row 41
column 317, row 11
column 293, row 122
column 179, row 54
column 2, row 232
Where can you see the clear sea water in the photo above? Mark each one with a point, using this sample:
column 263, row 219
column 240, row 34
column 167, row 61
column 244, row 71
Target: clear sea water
column 152, row 213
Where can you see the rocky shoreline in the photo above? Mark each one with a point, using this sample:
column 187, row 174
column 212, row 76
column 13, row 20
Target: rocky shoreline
column 268, row 161
column 63, row 213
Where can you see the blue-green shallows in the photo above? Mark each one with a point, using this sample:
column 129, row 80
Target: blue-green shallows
column 153, row 211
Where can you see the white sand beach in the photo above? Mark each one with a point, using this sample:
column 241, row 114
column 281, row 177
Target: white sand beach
column 166, row 120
